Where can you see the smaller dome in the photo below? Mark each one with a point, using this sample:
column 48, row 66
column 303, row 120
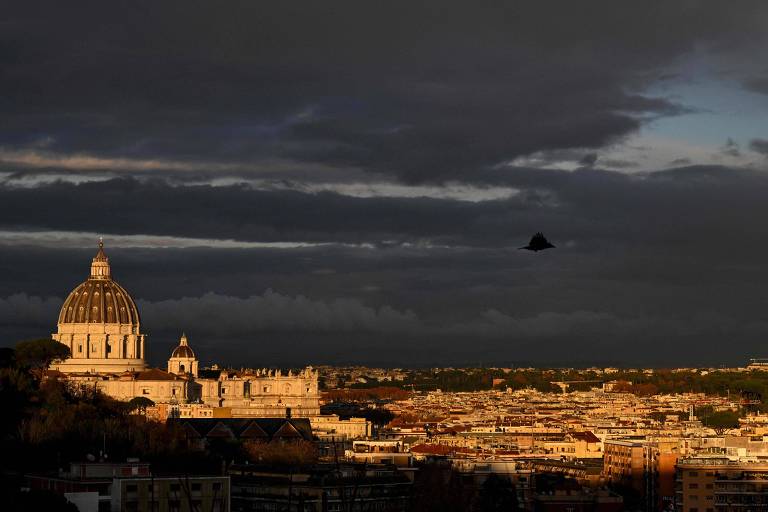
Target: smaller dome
column 183, row 349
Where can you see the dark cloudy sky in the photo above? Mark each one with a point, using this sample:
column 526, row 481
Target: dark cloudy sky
column 314, row 182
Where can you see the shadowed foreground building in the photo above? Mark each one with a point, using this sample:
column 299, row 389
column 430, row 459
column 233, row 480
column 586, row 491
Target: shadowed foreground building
column 320, row 488
column 130, row 487
column 200, row 432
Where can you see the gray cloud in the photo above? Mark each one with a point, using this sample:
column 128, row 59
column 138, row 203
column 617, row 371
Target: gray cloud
column 378, row 171
column 21, row 309
column 759, row 146
column 223, row 315
column 347, row 85
column 731, row 148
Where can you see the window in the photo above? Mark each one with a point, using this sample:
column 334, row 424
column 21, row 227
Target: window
column 131, row 488
column 693, row 473
column 217, row 486
column 196, row 487
column 693, row 486
column 80, row 349
column 181, row 368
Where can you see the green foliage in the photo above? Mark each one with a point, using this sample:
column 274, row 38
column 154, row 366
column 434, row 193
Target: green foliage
column 496, row 494
column 139, row 402
column 38, row 354
column 280, row 454
column 7, row 357
column 470, row 379
column 47, row 423
column 720, row 420
column 660, row 381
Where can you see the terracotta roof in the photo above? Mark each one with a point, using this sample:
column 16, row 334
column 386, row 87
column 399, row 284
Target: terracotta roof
column 432, row 449
column 587, row 436
column 156, row 374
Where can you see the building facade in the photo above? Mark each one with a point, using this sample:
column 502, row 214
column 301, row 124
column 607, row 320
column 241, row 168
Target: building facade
column 708, row 484
column 100, row 324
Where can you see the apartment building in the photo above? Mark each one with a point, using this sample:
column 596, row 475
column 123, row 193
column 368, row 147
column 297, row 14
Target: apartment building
column 722, row 484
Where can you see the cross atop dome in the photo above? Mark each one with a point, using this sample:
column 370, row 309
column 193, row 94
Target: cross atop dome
column 100, row 265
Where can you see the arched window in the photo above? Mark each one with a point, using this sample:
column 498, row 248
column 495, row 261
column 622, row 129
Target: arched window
column 181, row 368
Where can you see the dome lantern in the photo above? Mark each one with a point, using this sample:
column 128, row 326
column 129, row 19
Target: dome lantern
column 100, row 264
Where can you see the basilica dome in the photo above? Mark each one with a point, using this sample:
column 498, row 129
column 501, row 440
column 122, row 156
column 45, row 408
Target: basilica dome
column 183, row 349
column 99, row 299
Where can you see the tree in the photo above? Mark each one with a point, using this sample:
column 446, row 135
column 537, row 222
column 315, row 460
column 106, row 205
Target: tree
column 281, row 454
column 496, row 493
column 140, row 402
column 721, row 421
column 38, row 354
column 7, row 357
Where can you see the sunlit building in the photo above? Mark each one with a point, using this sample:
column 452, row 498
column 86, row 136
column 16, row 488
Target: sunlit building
column 100, row 324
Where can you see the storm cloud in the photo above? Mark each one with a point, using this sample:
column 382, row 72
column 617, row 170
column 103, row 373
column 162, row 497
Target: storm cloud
column 421, row 91
column 349, row 181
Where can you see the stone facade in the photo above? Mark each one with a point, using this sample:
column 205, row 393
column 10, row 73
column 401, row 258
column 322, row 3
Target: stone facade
column 183, row 360
column 100, row 323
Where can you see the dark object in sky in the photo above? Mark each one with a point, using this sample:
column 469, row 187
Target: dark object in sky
column 538, row 243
